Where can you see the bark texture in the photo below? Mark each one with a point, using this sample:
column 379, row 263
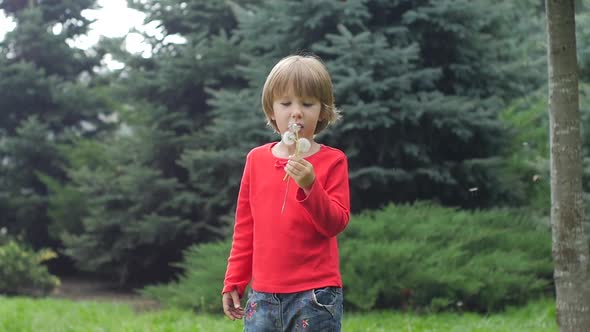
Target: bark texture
column 570, row 244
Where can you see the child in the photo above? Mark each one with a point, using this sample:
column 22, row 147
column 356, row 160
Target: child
column 285, row 240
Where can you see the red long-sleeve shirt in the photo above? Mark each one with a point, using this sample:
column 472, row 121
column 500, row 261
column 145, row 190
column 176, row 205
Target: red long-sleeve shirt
column 295, row 250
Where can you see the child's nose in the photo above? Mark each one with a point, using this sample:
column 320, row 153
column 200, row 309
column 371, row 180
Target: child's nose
column 297, row 111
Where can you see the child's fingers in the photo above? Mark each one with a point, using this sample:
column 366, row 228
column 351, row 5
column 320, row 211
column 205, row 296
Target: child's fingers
column 289, row 170
column 236, row 313
column 300, row 166
column 294, row 166
column 236, row 300
column 296, row 170
column 301, row 171
column 227, row 306
column 231, row 305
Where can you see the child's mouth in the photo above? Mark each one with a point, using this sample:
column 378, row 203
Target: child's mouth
column 295, row 127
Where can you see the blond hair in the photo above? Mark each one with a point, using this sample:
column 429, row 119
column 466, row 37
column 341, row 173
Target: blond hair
column 308, row 77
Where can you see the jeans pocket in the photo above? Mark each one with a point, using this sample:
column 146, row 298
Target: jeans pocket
column 328, row 298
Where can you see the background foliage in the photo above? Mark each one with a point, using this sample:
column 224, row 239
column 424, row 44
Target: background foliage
column 121, row 171
column 419, row 256
column 22, row 270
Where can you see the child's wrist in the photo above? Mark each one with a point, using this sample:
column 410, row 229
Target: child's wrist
column 307, row 189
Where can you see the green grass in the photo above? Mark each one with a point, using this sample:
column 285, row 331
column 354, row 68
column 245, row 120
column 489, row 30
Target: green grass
column 48, row 315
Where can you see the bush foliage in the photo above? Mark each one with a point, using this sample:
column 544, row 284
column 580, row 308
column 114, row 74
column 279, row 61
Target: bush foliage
column 424, row 255
column 199, row 287
column 22, row 271
column 407, row 256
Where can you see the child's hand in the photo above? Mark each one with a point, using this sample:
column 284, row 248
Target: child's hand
column 231, row 305
column 301, row 171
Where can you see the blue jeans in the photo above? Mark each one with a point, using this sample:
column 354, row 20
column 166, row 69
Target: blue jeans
column 317, row 310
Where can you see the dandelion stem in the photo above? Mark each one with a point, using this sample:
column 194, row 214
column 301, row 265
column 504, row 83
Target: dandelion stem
column 286, row 177
column 285, row 199
column 296, row 151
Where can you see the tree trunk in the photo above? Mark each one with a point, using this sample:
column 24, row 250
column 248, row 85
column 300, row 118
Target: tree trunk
column 570, row 244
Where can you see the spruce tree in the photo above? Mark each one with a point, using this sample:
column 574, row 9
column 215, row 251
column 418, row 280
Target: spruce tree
column 45, row 84
column 27, row 154
column 165, row 103
column 266, row 32
column 37, row 58
column 131, row 229
column 419, row 85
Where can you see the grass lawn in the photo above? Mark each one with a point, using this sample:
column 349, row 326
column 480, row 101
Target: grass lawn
column 50, row 315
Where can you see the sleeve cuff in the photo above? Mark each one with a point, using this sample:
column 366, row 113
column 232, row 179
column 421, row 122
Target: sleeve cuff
column 229, row 288
column 301, row 196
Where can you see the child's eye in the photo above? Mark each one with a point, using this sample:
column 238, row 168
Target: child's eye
column 286, row 103
column 308, row 104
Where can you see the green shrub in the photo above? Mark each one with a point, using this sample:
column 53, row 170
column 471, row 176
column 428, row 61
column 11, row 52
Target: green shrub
column 410, row 256
column 199, row 287
column 22, row 270
column 525, row 167
column 424, row 255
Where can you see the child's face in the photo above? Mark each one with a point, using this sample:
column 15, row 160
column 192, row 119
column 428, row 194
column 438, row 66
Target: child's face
column 304, row 111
